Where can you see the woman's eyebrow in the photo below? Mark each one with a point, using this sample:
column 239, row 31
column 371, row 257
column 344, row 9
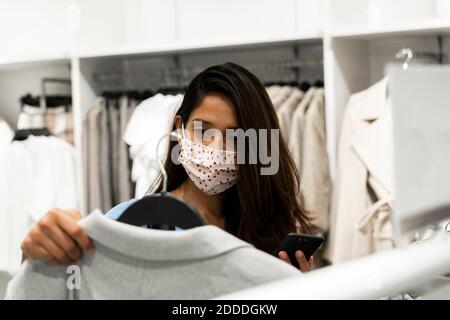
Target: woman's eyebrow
column 204, row 122
column 208, row 124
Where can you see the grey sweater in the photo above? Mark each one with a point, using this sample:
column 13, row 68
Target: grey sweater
column 136, row 263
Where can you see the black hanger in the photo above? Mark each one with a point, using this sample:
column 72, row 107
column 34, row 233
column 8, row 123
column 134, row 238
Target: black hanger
column 54, row 101
column 319, row 84
column 304, row 86
column 162, row 211
column 23, row 134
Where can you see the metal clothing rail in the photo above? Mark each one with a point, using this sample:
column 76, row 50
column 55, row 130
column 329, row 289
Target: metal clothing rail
column 180, row 75
column 372, row 277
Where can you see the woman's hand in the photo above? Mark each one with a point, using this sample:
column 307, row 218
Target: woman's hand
column 305, row 265
column 57, row 238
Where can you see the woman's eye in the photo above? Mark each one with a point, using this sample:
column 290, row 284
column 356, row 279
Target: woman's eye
column 200, row 136
column 199, row 133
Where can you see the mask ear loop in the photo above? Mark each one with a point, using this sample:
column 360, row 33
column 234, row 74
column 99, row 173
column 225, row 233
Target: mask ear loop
column 182, row 130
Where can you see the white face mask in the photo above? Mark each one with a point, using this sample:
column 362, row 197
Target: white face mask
column 213, row 171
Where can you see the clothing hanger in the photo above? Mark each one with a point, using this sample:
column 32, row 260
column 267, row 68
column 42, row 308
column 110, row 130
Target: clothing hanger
column 23, row 134
column 304, row 86
column 319, row 84
column 162, row 211
column 53, row 101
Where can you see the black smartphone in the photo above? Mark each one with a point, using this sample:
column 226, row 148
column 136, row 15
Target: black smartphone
column 294, row 242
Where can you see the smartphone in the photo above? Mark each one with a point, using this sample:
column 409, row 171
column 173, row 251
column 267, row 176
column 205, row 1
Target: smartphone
column 295, row 242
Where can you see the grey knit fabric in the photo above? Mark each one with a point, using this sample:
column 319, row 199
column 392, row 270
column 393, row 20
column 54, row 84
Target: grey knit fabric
column 137, row 263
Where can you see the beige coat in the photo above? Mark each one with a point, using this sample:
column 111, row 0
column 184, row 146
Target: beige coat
column 286, row 111
column 361, row 205
column 297, row 125
column 272, row 91
column 281, row 96
column 315, row 166
column 92, row 145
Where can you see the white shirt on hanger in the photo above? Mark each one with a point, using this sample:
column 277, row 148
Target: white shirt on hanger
column 38, row 174
column 6, row 134
column 151, row 120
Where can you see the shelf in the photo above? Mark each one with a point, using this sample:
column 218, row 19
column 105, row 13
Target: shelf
column 197, row 46
column 433, row 26
column 35, row 60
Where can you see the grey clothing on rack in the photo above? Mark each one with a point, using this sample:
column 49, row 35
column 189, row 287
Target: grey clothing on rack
column 315, row 174
column 104, row 162
column 281, row 96
column 286, row 111
column 92, row 143
column 297, row 126
column 137, row 263
column 114, row 143
column 124, row 179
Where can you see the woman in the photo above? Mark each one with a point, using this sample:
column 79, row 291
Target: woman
column 260, row 209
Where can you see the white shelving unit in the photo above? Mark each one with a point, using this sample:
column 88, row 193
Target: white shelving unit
column 24, row 76
column 353, row 57
column 355, row 60
column 87, row 65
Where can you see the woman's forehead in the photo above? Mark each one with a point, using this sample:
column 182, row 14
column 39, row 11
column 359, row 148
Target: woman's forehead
column 217, row 111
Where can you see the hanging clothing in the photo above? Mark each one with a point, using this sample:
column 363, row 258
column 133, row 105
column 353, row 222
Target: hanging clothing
column 297, row 126
column 57, row 119
column 362, row 201
column 153, row 264
column 311, row 157
column 105, row 159
column 38, row 174
column 126, row 109
column 286, row 110
column 281, row 96
column 151, row 120
column 95, row 142
column 107, row 163
column 272, row 91
column 114, row 146
column 315, row 171
column 6, row 134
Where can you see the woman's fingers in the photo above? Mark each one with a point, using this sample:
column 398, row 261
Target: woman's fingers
column 41, row 239
column 35, row 251
column 66, row 243
column 284, row 256
column 43, row 253
column 57, row 238
column 76, row 215
column 52, row 231
column 69, row 225
column 305, row 266
column 302, row 262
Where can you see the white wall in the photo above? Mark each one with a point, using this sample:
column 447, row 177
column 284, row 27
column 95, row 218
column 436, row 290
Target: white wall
column 378, row 13
column 46, row 27
column 18, row 82
column 148, row 21
column 32, row 28
column 210, row 20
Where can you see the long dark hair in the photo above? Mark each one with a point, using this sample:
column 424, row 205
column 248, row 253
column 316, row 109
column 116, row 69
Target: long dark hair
column 259, row 209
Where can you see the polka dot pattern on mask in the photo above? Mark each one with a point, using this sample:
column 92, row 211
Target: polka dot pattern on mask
column 212, row 170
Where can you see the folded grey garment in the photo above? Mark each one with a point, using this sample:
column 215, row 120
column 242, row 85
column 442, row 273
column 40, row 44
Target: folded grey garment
column 136, row 263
